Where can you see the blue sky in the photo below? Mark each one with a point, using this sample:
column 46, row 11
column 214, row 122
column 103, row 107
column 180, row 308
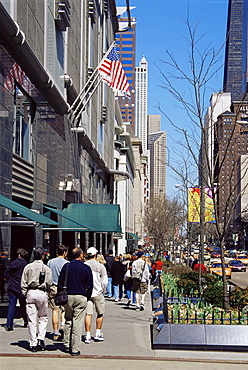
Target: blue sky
column 160, row 26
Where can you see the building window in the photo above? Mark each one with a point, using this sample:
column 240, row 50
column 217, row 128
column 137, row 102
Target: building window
column 24, row 111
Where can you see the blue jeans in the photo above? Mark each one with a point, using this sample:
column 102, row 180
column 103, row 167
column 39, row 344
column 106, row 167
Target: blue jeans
column 109, row 287
column 118, row 292
column 134, row 297
column 128, row 287
column 12, row 307
column 128, row 292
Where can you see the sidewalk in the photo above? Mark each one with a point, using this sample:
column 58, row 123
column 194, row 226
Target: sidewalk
column 127, row 344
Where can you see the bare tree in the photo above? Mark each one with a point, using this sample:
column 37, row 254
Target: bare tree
column 207, row 146
column 162, row 219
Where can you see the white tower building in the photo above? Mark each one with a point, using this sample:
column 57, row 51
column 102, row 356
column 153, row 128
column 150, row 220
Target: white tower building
column 141, row 100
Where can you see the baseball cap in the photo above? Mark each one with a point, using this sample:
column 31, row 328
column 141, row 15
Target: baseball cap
column 140, row 253
column 92, row 251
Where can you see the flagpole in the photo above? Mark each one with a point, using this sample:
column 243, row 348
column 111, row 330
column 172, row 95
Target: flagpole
column 88, row 89
column 87, row 100
column 81, row 92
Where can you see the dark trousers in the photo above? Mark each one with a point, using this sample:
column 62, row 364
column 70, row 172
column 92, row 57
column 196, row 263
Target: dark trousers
column 12, row 307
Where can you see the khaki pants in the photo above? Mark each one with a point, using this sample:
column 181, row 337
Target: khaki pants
column 74, row 321
column 36, row 304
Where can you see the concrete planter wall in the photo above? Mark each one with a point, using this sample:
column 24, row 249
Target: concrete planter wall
column 165, row 335
column 200, row 337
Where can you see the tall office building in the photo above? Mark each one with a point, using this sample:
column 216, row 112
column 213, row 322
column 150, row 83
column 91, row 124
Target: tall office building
column 231, row 143
column 157, row 148
column 154, row 123
column 235, row 72
column 141, row 102
column 126, row 46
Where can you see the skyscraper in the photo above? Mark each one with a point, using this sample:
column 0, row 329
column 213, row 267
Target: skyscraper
column 157, row 147
column 235, row 72
column 126, row 46
column 141, row 87
column 154, row 121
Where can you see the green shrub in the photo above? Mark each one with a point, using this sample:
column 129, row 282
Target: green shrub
column 239, row 298
column 187, row 285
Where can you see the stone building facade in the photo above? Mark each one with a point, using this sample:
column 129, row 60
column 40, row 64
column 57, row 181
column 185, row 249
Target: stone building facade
column 57, row 147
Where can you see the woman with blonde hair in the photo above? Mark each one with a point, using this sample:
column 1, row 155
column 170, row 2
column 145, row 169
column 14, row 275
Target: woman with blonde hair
column 128, row 282
column 101, row 259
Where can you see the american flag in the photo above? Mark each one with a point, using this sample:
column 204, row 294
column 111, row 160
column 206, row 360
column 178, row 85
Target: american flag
column 16, row 73
column 113, row 73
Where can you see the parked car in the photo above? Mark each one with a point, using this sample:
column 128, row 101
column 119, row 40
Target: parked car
column 215, row 255
column 217, row 269
column 243, row 258
column 237, row 265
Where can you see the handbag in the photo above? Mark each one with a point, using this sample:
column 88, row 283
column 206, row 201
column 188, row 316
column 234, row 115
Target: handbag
column 61, row 297
column 127, row 275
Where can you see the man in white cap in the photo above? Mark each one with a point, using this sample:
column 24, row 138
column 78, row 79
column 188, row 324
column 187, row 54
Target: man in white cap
column 100, row 281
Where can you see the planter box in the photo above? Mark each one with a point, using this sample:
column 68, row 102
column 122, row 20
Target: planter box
column 200, row 337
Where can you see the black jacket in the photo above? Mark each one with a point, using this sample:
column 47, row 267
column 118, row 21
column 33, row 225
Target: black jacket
column 117, row 272
column 13, row 274
column 109, row 263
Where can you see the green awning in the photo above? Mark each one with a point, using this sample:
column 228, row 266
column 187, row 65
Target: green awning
column 25, row 212
column 99, row 217
column 72, row 219
column 134, row 236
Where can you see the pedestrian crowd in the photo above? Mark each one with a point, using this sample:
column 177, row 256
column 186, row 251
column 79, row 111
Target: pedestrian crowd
column 88, row 280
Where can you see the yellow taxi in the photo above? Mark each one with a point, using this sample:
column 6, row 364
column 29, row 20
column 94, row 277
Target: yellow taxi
column 216, row 268
column 243, row 258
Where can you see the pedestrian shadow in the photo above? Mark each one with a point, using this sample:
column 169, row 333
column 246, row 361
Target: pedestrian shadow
column 125, row 307
column 49, row 335
column 21, row 343
column 49, row 347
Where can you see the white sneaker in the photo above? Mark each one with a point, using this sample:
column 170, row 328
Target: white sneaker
column 99, row 338
column 116, row 300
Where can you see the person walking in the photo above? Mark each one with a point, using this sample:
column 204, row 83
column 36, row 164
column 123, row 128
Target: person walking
column 100, row 281
column 13, row 275
column 128, row 282
column 56, row 264
column 157, row 267
column 35, row 283
column 79, row 289
column 200, row 267
column 109, row 262
column 140, row 276
column 117, row 272
column 195, row 262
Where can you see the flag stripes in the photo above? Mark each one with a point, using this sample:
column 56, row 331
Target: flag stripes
column 113, row 73
column 16, row 73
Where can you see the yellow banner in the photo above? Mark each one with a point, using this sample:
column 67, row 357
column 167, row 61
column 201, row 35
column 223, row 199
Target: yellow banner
column 194, row 202
column 209, row 206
